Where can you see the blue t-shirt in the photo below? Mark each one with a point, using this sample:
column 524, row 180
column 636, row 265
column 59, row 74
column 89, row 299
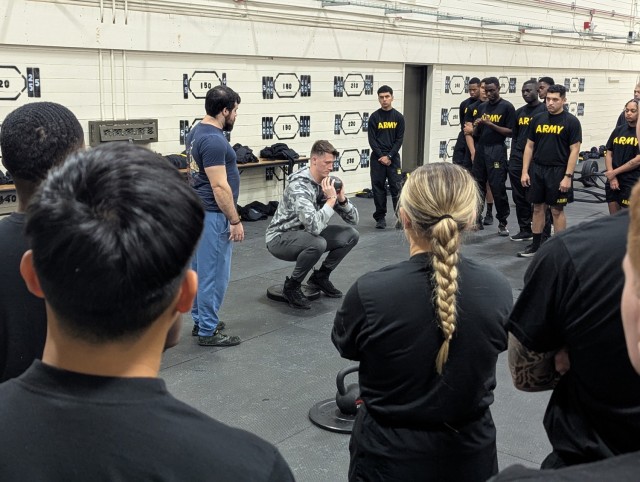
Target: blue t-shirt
column 207, row 146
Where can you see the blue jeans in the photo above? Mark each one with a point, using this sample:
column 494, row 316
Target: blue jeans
column 212, row 262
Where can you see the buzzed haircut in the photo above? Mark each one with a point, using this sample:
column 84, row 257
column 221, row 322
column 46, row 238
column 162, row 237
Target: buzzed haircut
column 219, row 98
column 112, row 230
column 474, row 80
column 557, row 89
column 530, row 81
column 491, row 80
column 36, row 137
column 385, row 89
column 323, row 147
column 547, row 80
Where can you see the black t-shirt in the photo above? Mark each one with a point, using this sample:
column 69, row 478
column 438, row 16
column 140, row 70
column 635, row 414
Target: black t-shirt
column 521, row 130
column 623, row 145
column 473, row 111
column 464, row 105
column 502, row 114
column 63, row 426
column 387, row 322
column 625, row 468
column 553, row 135
column 571, row 298
column 386, row 132
column 23, row 321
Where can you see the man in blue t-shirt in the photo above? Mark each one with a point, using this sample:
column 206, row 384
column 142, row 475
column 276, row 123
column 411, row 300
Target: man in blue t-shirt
column 215, row 177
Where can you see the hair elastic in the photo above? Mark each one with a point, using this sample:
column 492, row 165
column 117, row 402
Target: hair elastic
column 449, row 216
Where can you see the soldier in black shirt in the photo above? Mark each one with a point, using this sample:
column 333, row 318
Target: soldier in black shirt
column 474, row 111
column 111, row 261
column 621, row 118
column 461, row 155
column 524, row 115
column 622, row 160
column 490, row 160
column 427, row 332
column 386, row 132
column 552, row 146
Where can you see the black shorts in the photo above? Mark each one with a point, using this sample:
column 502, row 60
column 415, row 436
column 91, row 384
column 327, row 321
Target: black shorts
column 620, row 196
column 545, row 186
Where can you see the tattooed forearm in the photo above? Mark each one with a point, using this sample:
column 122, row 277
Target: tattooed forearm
column 531, row 371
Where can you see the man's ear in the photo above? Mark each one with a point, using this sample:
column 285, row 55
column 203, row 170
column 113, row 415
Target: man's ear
column 29, row 274
column 188, row 291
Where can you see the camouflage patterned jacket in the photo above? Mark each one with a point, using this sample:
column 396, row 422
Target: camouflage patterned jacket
column 303, row 207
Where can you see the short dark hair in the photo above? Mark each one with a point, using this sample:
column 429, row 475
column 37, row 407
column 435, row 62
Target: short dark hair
column 324, row 147
column 557, row 89
column 112, row 232
column 385, row 89
column 37, row 136
column 530, row 81
column 547, row 80
column 474, row 80
column 491, row 80
column 219, row 98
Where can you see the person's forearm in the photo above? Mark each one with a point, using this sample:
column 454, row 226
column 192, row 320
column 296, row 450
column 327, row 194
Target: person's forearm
column 504, row 131
column 531, row 371
column 630, row 165
column 608, row 161
column 526, row 158
column 573, row 158
column 224, row 200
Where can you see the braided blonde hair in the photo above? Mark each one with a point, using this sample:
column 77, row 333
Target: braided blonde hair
column 440, row 200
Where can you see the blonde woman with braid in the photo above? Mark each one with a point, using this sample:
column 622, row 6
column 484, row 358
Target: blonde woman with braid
column 427, row 333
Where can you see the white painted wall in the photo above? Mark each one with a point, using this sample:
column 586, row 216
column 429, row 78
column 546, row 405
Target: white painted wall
column 111, row 59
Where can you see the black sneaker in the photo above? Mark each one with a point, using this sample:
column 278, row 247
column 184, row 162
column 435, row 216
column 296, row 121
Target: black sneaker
column 196, row 328
column 218, row 339
column 528, row 252
column 293, row 294
column 320, row 280
column 522, row 236
column 381, row 224
column 502, row 230
column 488, row 220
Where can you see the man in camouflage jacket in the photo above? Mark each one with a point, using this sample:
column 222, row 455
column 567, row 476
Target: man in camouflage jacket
column 300, row 230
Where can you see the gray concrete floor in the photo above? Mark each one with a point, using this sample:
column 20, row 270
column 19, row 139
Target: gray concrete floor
column 287, row 362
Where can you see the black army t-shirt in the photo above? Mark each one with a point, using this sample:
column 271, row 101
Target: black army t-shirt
column 473, row 111
column 464, row 106
column 553, row 134
column 502, row 114
column 521, row 129
column 571, row 298
column 623, row 145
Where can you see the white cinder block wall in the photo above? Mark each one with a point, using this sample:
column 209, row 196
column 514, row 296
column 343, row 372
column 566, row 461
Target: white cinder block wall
column 110, row 59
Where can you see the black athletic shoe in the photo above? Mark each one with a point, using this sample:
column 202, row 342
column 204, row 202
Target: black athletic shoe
column 488, row 220
column 522, row 236
column 218, row 339
column 381, row 224
column 320, row 280
column 502, row 230
column 194, row 331
column 528, row 252
column 293, row 294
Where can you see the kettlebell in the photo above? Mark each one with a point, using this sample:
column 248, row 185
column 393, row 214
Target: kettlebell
column 337, row 183
column 347, row 398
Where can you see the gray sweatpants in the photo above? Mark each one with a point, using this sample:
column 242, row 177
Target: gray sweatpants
column 306, row 249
